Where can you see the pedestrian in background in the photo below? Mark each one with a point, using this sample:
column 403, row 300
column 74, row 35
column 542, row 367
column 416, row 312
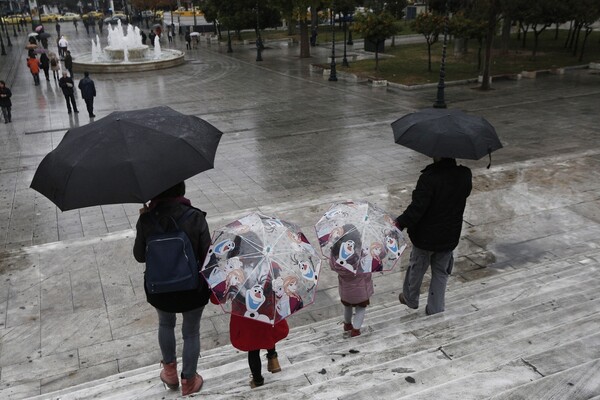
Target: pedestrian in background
column 54, row 65
column 45, row 64
column 434, row 221
column 34, row 67
column 188, row 41
column 62, row 47
column 167, row 206
column 88, row 92
column 75, row 24
column 68, row 89
column 5, row 103
column 69, row 63
column 57, row 29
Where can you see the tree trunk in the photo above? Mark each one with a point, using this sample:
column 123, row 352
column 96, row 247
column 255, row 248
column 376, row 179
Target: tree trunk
column 556, row 31
column 506, row 25
column 304, row 43
column 460, row 47
column 489, row 40
column 524, row 41
column 588, row 31
column 429, row 56
column 577, row 33
column 569, row 35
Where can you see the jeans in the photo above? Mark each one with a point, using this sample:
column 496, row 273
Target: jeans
column 441, row 266
column 190, row 330
column 70, row 99
column 6, row 114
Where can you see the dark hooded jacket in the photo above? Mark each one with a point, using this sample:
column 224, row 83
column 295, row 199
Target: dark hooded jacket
column 196, row 228
column 434, row 217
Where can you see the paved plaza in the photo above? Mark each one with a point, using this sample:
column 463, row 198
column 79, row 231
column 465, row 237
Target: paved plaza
column 72, row 306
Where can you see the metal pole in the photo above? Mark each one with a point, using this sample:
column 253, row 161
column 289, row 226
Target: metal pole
column 345, row 60
column 14, row 30
column 440, row 102
column 5, row 29
column 259, row 44
column 332, row 71
column 229, row 48
column 3, row 50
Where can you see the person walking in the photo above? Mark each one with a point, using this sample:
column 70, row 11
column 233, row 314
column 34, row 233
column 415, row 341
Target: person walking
column 88, row 92
column 69, row 63
column 248, row 334
column 54, row 65
column 86, row 25
column 5, row 103
column 75, row 23
column 57, row 29
column 143, row 35
column 45, row 64
column 355, row 289
column 188, row 41
column 67, row 86
column 62, row 47
column 434, row 221
column 170, row 36
column 34, row 67
column 100, row 24
column 171, row 204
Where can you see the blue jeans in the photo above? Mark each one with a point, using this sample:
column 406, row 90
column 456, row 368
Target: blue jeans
column 190, row 330
column 441, row 266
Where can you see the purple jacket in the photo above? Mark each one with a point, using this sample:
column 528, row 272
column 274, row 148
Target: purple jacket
column 353, row 289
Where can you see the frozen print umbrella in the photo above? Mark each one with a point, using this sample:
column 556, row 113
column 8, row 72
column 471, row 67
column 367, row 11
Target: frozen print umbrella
column 360, row 237
column 262, row 268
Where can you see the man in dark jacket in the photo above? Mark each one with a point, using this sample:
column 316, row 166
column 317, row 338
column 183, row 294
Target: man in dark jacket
column 69, row 63
column 434, row 221
column 68, row 89
column 88, row 92
column 172, row 204
column 5, row 103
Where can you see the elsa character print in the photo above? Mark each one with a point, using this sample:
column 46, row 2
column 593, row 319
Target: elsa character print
column 216, row 280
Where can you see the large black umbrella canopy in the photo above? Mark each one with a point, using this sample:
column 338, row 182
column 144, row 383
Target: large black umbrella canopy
column 448, row 133
column 126, row 157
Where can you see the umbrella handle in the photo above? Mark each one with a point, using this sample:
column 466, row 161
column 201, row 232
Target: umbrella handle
column 145, row 208
column 490, row 156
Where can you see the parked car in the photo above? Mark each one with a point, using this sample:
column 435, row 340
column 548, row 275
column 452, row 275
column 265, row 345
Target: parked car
column 16, row 18
column 69, row 16
column 49, row 17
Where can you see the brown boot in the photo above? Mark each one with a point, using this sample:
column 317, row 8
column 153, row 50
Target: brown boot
column 169, row 375
column 354, row 332
column 191, row 385
column 256, row 383
column 347, row 327
column 273, row 364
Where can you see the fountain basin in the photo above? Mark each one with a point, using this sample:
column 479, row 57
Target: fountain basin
column 134, row 54
column 168, row 59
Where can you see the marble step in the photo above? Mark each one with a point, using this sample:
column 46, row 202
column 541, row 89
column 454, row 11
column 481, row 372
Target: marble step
column 581, row 382
column 218, row 363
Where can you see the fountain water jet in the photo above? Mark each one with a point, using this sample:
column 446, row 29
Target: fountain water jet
column 125, row 52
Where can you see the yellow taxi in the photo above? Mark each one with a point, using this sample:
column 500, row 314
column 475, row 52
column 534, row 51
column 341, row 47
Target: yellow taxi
column 93, row 14
column 49, row 17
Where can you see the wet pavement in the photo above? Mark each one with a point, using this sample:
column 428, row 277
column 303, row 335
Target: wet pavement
column 71, row 301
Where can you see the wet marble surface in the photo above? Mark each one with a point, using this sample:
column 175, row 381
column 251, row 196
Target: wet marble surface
column 72, row 305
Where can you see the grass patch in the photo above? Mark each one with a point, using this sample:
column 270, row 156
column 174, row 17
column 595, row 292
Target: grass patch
column 408, row 63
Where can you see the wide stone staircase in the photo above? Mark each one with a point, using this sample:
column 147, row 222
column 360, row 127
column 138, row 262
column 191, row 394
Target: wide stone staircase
column 528, row 333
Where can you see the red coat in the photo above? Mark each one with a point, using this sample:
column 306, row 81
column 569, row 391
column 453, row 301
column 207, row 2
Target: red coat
column 247, row 334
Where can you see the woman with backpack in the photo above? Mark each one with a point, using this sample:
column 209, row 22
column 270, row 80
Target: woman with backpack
column 167, row 212
column 54, row 65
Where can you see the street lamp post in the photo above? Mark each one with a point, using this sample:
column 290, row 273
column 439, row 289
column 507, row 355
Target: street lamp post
column 3, row 50
column 345, row 60
column 440, row 102
column 332, row 71
column 14, row 30
column 5, row 29
column 259, row 44
column 350, row 42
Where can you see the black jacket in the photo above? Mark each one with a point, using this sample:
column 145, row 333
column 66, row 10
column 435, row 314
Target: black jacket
column 197, row 230
column 5, row 100
column 66, row 89
column 434, row 217
column 87, row 87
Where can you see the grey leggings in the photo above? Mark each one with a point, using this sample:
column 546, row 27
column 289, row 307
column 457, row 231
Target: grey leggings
column 190, row 330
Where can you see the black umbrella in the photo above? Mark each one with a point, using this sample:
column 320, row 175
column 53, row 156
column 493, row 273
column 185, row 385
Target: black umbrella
column 44, row 35
column 447, row 133
column 126, row 157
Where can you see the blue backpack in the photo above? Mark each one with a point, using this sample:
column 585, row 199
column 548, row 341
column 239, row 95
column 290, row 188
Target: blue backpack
column 171, row 265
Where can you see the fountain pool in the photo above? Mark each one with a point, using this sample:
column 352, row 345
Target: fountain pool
column 126, row 53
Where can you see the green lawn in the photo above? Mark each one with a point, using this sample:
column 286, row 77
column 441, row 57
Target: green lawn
column 409, row 62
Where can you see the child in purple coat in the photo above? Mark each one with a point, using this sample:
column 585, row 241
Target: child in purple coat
column 355, row 288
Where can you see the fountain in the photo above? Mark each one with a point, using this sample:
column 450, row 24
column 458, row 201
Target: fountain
column 125, row 52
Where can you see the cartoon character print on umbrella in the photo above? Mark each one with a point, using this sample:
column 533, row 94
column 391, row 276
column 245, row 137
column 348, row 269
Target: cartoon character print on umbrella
column 285, row 288
column 347, row 249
